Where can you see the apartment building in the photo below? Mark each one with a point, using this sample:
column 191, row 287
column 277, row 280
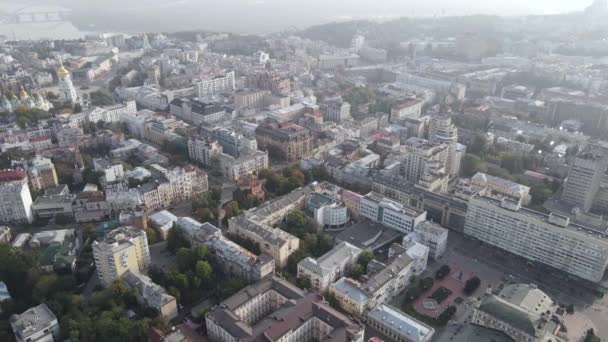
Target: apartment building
column 332, row 265
column 37, row 324
column 378, row 208
column 423, row 161
column 336, row 111
column 15, row 197
column 258, row 225
column 41, row 173
column 406, row 108
column 233, row 258
column 121, row 250
column 150, row 294
column 203, row 150
column 288, row 142
column 216, row 85
column 248, row 162
column 548, row 239
column 296, row 316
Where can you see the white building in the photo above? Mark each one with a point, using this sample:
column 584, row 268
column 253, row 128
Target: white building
column 329, row 267
column 162, row 222
column 67, row 92
column 548, row 239
column 151, row 295
column 111, row 172
column 37, row 324
column 246, row 164
column 216, row 85
column 390, row 213
column 15, row 197
column 398, row 326
column 430, row 235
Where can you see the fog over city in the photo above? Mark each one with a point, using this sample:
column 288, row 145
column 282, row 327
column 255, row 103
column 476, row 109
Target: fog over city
column 260, row 16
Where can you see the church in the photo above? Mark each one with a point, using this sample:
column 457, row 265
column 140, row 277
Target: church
column 24, row 100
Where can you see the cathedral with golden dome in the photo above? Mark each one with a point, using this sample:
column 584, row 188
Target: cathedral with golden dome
column 24, row 100
column 67, row 92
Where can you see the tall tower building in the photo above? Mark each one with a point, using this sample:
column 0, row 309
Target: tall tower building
column 67, row 92
column 443, row 131
column 357, row 43
column 585, row 177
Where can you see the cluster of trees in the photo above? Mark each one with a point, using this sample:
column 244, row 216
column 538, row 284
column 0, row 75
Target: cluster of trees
column 292, row 177
column 360, row 268
column 100, row 98
column 246, row 243
column 441, row 294
column 471, row 285
column 442, row 272
column 205, row 207
column 359, row 95
column 177, row 151
column 231, row 210
column 312, row 245
column 27, row 116
column 101, row 318
column 298, row 224
column 591, row 337
column 197, row 274
column 414, row 292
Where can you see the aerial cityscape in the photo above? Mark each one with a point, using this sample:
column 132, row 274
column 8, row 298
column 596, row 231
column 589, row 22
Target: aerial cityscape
column 295, row 171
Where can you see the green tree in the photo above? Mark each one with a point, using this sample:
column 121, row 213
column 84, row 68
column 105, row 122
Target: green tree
column 203, row 270
column 471, row 285
column 471, row 164
column 175, row 240
column 364, row 258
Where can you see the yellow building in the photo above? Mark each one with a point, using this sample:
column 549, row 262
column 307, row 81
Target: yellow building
column 122, row 249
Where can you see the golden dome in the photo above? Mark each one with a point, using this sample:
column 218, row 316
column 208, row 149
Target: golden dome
column 23, row 94
column 62, row 71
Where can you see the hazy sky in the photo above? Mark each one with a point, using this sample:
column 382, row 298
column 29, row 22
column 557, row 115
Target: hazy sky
column 268, row 15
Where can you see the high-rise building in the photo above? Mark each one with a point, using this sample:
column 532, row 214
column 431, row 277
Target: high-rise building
column 443, row 131
column 357, row 43
column 67, row 92
column 203, row 150
column 548, row 239
column 585, row 177
column 123, row 249
column 15, row 197
column 425, row 164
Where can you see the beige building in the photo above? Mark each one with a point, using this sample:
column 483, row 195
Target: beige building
column 258, row 225
column 123, row 249
column 497, row 186
column 41, row 173
column 275, row 310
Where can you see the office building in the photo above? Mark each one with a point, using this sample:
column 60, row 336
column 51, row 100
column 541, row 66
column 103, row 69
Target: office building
column 15, row 197
column 390, row 213
column 288, row 142
column 121, row 250
column 430, row 235
column 275, row 310
column 198, row 112
column 332, row 265
column 426, row 164
column 585, row 176
column 234, row 143
column 56, row 201
column 37, row 324
column 548, row 239
column 162, row 222
column 406, row 108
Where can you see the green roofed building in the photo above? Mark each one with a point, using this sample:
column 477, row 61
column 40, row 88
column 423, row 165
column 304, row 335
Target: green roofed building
column 522, row 312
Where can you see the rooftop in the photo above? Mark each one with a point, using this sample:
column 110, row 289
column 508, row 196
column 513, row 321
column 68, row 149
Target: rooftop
column 32, row 321
column 330, row 260
column 406, row 325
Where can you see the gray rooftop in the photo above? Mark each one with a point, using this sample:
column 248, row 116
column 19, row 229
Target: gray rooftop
column 396, row 320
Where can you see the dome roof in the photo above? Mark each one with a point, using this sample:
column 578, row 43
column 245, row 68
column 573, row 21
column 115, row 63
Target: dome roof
column 62, row 71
